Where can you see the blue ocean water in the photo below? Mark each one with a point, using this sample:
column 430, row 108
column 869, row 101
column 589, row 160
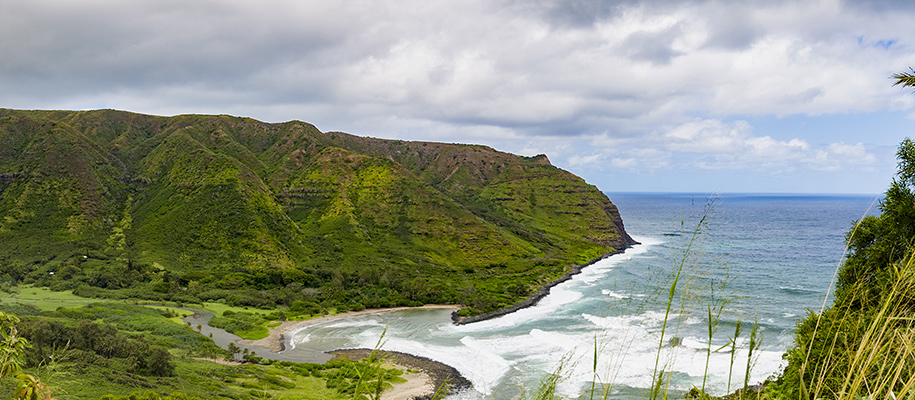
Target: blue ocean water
column 759, row 257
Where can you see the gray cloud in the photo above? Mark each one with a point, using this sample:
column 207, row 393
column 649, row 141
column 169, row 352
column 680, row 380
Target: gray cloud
column 655, row 47
column 516, row 74
column 67, row 48
column 572, row 13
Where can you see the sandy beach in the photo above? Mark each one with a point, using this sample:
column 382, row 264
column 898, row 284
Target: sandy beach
column 419, row 384
column 276, row 340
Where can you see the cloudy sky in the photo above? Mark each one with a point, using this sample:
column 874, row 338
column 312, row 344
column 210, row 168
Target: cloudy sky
column 661, row 96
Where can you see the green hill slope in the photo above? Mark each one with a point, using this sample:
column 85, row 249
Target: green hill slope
column 217, row 207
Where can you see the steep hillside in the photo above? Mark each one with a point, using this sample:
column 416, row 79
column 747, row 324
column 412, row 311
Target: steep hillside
column 197, row 207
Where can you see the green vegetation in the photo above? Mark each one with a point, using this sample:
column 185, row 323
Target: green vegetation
column 118, row 351
column 115, row 205
column 41, row 298
column 257, row 223
column 862, row 345
column 247, row 325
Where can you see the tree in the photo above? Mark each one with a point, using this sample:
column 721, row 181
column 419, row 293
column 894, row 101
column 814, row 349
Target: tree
column 31, row 388
column 158, row 362
column 12, row 346
column 880, row 242
column 12, row 349
column 860, row 346
column 233, row 351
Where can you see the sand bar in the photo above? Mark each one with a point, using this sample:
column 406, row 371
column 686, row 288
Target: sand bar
column 276, row 340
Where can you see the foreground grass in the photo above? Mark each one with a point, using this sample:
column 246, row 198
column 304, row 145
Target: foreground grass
column 195, row 378
column 846, row 352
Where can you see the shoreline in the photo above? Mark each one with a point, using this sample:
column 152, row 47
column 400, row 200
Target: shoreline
column 276, row 340
column 535, row 298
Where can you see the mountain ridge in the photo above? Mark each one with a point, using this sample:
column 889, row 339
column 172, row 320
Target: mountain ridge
column 194, row 206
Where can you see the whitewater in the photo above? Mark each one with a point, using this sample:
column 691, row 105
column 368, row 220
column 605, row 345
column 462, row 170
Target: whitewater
column 776, row 254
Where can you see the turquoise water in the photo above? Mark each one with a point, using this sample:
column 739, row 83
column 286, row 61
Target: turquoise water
column 777, row 254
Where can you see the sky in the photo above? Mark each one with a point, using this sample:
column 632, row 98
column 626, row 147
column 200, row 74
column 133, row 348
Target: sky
column 633, row 96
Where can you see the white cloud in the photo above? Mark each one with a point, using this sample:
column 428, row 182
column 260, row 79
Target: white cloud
column 474, row 61
column 641, row 160
column 706, row 136
column 766, row 148
column 855, row 153
column 628, row 163
column 717, row 145
column 835, row 156
column 576, row 159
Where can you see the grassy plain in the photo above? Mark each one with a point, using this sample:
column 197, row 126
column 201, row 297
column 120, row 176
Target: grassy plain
column 44, row 299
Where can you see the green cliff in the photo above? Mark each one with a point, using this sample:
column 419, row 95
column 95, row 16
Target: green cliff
column 191, row 208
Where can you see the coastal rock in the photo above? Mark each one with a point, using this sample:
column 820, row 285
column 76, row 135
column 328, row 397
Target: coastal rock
column 441, row 374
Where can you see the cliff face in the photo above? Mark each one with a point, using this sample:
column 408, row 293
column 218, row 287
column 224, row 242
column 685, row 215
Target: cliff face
column 234, row 203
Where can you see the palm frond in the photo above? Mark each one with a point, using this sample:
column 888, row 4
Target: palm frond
column 906, row 79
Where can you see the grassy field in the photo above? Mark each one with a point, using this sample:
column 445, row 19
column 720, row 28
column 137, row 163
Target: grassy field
column 43, row 298
column 197, row 378
column 56, row 323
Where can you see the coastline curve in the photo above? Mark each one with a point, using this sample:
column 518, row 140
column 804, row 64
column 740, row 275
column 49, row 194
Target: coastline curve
column 535, row 298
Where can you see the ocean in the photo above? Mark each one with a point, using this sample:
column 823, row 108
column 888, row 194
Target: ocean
column 763, row 258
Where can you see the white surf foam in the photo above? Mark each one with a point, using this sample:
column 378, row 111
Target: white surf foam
column 565, row 293
column 352, row 323
column 609, row 293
